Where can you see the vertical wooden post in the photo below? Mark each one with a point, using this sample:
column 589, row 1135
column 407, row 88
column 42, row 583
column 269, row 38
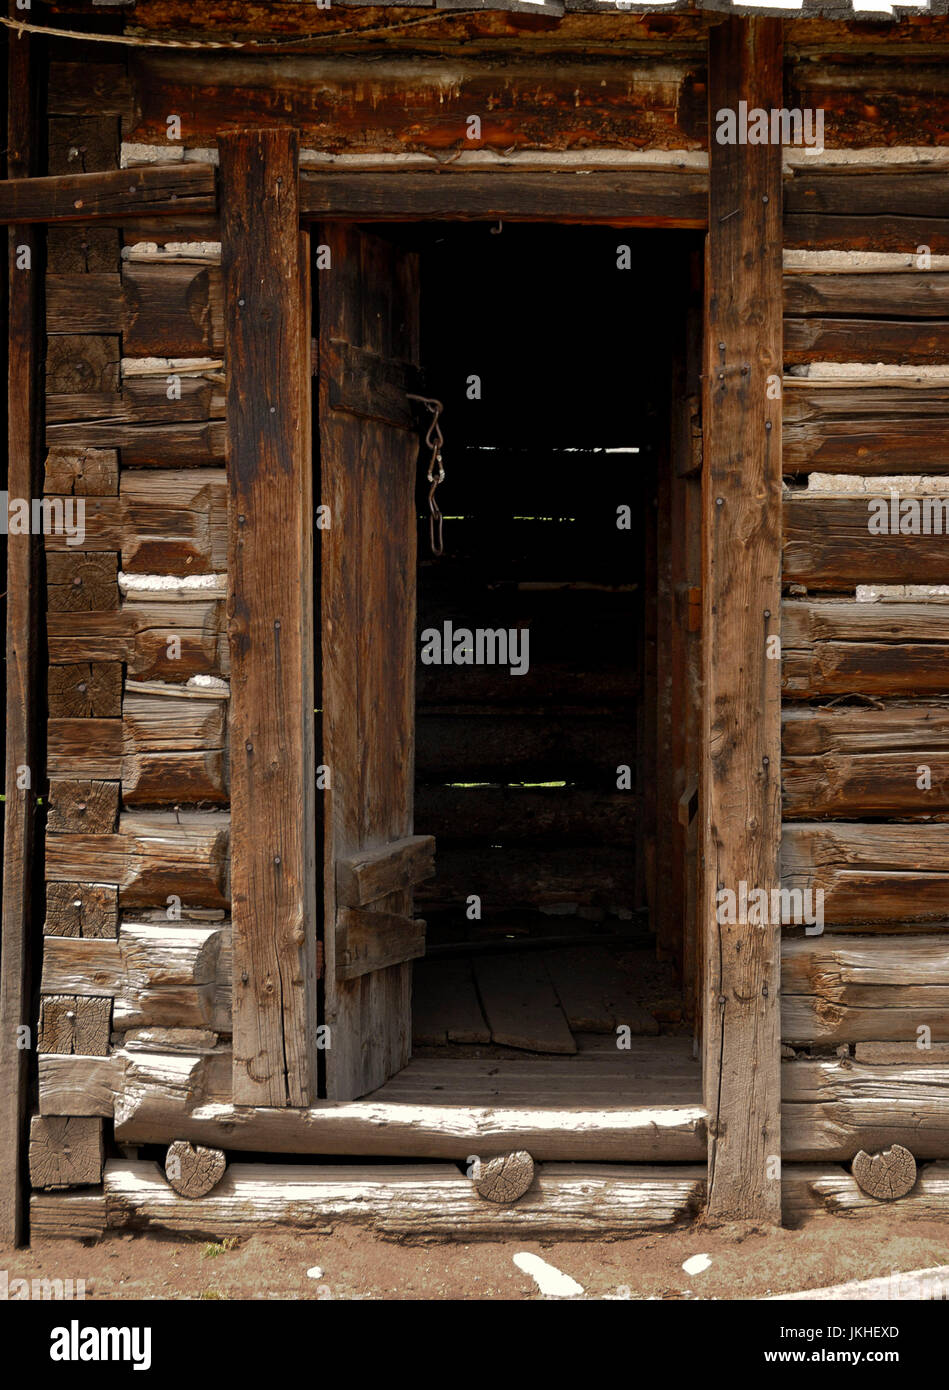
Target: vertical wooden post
column 270, row 619
column 741, row 610
column 25, row 705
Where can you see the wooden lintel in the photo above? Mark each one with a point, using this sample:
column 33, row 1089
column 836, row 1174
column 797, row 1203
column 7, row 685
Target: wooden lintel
column 367, row 941
column 741, row 811
column 160, row 190
column 264, row 259
column 373, row 874
column 645, row 198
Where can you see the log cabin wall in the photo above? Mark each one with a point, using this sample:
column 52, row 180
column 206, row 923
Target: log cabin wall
column 865, row 684
column 135, row 999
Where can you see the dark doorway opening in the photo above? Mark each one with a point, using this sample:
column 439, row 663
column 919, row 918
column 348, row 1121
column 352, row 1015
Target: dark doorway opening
column 560, row 915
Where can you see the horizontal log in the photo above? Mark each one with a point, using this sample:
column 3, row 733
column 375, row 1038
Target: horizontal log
column 861, row 427
column 161, row 718
column 832, row 1109
column 172, row 779
column 873, row 295
column 162, row 522
column 647, row 198
column 394, row 868
column 844, row 647
column 79, row 1085
column 870, row 872
column 154, row 855
column 368, row 941
column 547, row 815
column 79, row 1215
column 154, row 1108
column 139, row 634
column 906, row 192
column 188, row 443
column 372, row 387
column 175, row 309
column 828, row 543
column 818, row 231
column 174, row 975
column 142, row 401
column 417, row 1202
column 84, row 747
column 631, row 103
column 852, row 762
column 811, row 1190
column 116, row 193
column 845, row 989
column 911, row 341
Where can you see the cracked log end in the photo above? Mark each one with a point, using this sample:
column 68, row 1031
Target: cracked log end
column 193, row 1170
column 885, row 1175
column 506, row 1178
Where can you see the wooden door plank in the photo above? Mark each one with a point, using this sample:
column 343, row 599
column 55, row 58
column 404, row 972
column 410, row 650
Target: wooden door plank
column 741, row 794
column 521, row 1005
column 367, row 941
column 270, row 624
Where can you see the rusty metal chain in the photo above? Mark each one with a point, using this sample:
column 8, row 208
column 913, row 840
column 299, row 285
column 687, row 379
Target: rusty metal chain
column 436, row 471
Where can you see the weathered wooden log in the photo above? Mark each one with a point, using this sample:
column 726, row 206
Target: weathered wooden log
column 506, row 1178
column 65, row 1151
column 82, row 472
column 833, row 1107
column 86, row 304
column 73, row 1024
column 910, row 341
column 923, row 295
column 864, row 989
column 811, row 1190
column 114, row 194
column 82, row 583
column 193, row 1171
column 70, row 1215
column 176, row 444
column 84, row 807
column 845, row 648
column 374, row 874
column 169, row 639
column 860, row 426
column 152, row 855
column 887, row 1175
column 86, row 690
column 827, row 544
column 872, row 872
column 84, row 747
column 173, row 308
column 81, row 909
column 162, row 522
column 78, row 1085
column 412, row 1202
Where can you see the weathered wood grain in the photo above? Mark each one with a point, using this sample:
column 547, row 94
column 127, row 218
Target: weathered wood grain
column 81, row 909
column 741, row 516
column 867, row 295
column 114, row 194
column 80, row 1085
column 23, row 678
column 832, row 1108
column 152, row 856
column 171, row 309
column 74, row 1024
column 162, row 522
column 918, row 342
column 372, row 874
column 368, row 941
column 189, row 443
column 82, row 472
column 86, row 807
column 83, row 746
column 65, row 1151
column 83, row 304
column 167, row 640
column 828, row 544
column 852, row 762
column 870, row 872
column 862, row 427
column 846, row 648
column 270, row 619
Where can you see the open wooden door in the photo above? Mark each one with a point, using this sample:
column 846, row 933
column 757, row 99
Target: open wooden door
column 368, row 305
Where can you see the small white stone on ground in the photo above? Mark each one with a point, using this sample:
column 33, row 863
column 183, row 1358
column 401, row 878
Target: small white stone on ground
column 551, row 1282
column 314, row 1273
column 695, row 1264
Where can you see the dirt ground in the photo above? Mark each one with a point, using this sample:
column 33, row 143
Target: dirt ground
column 356, row 1264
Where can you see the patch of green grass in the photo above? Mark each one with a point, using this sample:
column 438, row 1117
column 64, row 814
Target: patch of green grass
column 215, row 1248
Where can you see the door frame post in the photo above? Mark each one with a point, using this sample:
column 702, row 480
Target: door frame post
column 264, row 258
column 741, row 784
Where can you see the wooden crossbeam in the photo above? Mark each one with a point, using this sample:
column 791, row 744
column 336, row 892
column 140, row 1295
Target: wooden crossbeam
column 159, row 190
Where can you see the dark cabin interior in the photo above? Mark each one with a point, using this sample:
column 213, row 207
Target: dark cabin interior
column 555, row 368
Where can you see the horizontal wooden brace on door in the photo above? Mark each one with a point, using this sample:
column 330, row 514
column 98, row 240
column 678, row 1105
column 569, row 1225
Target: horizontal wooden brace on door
column 372, row 874
column 373, row 387
column 160, row 190
column 368, row 941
